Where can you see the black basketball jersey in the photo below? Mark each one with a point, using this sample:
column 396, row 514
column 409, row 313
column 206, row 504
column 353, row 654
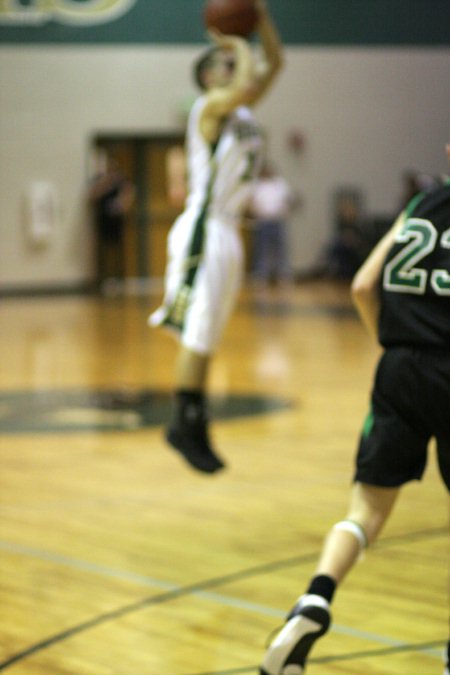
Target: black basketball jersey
column 415, row 283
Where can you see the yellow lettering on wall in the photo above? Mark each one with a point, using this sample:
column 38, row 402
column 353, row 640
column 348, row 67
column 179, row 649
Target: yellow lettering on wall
column 35, row 12
column 90, row 12
column 86, row 13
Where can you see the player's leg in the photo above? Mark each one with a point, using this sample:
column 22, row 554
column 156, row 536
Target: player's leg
column 281, row 252
column 444, row 465
column 262, row 253
column 191, row 369
column 310, row 617
column 188, row 430
column 213, row 296
column 369, row 508
column 438, row 370
column 180, row 314
column 447, row 648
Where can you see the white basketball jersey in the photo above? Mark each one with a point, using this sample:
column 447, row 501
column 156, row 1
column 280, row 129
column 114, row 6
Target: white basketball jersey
column 221, row 177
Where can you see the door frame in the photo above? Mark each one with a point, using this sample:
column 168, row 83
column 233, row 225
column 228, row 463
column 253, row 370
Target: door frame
column 139, row 143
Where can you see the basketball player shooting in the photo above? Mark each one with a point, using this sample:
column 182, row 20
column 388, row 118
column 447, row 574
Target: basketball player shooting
column 205, row 253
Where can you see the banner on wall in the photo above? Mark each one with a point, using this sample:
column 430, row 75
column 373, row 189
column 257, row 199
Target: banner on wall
column 300, row 22
column 71, row 12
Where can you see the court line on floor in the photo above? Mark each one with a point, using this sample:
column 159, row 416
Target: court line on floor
column 350, row 656
column 173, row 592
column 178, row 591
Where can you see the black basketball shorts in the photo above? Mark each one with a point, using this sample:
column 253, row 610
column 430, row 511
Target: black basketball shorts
column 410, row 405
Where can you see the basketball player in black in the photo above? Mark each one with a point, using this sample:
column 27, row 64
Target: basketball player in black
column 402, row 293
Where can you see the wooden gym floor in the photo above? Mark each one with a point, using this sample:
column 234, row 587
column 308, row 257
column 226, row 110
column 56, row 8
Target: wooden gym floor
column 117, row 559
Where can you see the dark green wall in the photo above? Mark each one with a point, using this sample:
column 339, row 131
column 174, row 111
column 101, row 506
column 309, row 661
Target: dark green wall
column 301, row 22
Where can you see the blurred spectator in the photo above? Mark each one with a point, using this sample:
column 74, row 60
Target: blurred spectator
column 271, row 205
column 345, row 252
column 112, row 196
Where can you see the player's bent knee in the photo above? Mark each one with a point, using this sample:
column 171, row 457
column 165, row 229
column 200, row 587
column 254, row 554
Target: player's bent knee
column 356, row 530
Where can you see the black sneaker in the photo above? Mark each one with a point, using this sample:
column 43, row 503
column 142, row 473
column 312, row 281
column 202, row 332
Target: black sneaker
column 308, row 620
column 447, row 659
column 195, row 448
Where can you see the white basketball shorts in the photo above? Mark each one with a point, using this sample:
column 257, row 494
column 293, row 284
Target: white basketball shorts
column 203, row 277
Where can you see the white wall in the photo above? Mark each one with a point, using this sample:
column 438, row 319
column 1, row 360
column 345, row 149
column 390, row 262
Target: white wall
column 367, row 114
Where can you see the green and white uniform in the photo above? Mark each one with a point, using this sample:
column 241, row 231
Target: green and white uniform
column 205, row 253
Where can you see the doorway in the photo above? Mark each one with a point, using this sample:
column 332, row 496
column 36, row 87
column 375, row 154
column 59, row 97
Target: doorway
column 154, row 164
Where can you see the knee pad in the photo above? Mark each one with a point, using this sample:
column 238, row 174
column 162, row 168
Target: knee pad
column 356, row 530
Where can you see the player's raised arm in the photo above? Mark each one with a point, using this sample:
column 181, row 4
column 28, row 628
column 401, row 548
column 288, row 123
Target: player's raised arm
column 229, row 80
column 236, row 76
column 272, row 62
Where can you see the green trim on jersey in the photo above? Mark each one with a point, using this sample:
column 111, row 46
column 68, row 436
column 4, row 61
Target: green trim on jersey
column 368, row 424
column 413, row 203
column 177, row 311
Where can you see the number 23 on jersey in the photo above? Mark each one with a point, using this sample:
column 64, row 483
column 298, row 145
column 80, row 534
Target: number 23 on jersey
column 407, row 272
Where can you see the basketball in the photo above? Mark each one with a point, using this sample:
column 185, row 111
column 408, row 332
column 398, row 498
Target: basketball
column 231, row 17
